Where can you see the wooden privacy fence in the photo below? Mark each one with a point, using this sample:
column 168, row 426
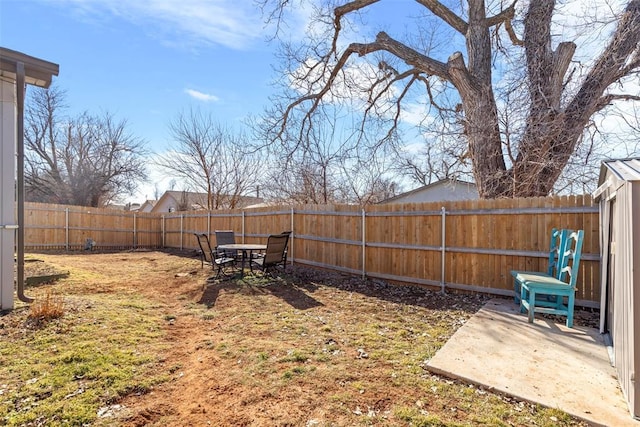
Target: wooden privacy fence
column 55, row 227
column 467, row 245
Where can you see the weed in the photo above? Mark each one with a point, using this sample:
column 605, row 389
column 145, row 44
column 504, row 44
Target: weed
column 295, row 356
column 208, row 316
column 417, row 418
column 47, row 308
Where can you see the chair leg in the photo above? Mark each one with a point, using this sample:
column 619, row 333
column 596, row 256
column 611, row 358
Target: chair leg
column 220, row 271
column 523, row 297
column 532, row 304
column 570, row 303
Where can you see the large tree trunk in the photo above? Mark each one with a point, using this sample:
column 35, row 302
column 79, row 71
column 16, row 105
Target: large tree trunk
column 481, row 114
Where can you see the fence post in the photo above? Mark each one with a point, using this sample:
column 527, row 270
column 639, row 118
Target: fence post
column 242, row 226
column 364, row 244
column 292, row 236
column 208, row 224
column 66, row 228
column 163, row 232
column 181, row 230
column 444, row 242
column 134, row 231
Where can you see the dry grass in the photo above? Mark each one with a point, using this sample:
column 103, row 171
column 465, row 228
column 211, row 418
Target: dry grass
column 46, row 308
column 141, row 343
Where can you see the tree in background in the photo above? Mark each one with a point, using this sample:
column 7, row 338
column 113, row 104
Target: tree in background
column 367, row 182
column 211, row 159
column 85, row 160
column 323, row 166
column 500, row 77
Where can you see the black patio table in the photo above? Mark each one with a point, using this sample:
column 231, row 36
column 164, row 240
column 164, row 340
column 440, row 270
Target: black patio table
column 247, row 250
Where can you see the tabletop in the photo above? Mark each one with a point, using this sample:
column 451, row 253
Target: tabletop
column 243, row 247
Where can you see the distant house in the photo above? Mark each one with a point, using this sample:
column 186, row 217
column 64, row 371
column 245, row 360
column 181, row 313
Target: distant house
column 446, row 189
column 175, row 201
column 147, row 206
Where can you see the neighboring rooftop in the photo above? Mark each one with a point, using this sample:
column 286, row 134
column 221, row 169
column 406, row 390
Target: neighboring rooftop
column 446, row 189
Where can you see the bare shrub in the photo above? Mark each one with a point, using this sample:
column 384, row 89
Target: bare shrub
column 47, row 308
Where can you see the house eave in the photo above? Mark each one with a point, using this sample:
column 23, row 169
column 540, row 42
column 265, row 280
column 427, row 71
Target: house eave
column 37, row 72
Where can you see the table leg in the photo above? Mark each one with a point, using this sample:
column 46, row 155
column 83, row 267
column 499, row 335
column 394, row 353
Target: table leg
column 243, row 258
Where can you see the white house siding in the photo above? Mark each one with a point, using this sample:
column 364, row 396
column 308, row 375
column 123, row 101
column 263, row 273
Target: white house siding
column 165, row 204
column 7, row 191
column 438, row 192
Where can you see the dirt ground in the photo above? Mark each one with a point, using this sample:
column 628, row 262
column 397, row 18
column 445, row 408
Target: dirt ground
column 315, row 349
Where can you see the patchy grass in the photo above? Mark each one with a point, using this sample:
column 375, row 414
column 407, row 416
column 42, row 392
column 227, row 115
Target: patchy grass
column 142, row 341
column 65, row 370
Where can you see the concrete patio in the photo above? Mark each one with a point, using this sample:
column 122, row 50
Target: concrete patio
column 543, row 362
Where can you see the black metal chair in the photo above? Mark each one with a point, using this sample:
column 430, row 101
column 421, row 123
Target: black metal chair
column 288, row 233
column 274, row 256
column 217, row 260
column 226, row 237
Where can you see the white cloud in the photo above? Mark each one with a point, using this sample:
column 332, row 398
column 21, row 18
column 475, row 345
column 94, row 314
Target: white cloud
column 200, row 96
column 234, row 24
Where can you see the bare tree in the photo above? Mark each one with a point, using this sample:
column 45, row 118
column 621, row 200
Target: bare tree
column 211, row 159
column 309, row 167
column 519, row 136
column 86, row 160
column 367, row 181
column 324, row 166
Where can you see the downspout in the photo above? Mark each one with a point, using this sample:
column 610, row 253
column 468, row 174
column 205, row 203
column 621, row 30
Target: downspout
column 443, row 249
column 20, row 91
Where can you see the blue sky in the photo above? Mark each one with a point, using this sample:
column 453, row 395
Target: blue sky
column 146, row 61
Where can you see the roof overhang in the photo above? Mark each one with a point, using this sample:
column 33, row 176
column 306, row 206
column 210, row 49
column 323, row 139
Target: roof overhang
column 37, row 72
column 614, row 172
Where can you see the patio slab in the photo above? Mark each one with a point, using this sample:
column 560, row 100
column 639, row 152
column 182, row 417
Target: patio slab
column 543, row 362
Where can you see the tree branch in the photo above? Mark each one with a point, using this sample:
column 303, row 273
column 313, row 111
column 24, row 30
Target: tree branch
column 504, row 16
column 608, row 99
column 411, row 56
column 340, row 11
column 446, row 15
column 561, row 60
column 383, row 42
column 460, row 76
column 610, row 66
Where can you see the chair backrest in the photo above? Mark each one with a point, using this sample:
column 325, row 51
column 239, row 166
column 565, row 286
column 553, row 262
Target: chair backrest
column 558, row 237
column 205, row 246
column 225, row 237
column 276, row 249
column 570, row 254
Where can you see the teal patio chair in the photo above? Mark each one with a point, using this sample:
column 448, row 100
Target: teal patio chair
column 553, row 268
column 556, row 288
